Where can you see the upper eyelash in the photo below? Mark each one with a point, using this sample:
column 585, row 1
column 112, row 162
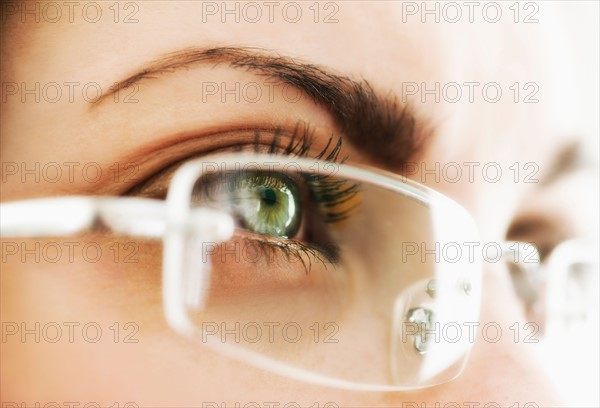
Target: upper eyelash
column 330, row 192
column 299, row 144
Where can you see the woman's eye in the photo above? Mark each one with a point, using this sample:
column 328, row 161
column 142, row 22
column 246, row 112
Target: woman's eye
column 266, row 204
column 295, row 213
column 291, row 213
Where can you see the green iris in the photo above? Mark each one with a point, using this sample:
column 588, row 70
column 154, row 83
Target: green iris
column 267, row 203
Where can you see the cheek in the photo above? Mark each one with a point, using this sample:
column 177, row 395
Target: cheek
column 127, row 353
column 76, row 313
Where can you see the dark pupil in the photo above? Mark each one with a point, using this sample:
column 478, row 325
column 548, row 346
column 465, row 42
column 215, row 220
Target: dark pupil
column 268, row 196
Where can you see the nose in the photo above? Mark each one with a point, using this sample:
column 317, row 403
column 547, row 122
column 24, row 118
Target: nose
column 503, row 369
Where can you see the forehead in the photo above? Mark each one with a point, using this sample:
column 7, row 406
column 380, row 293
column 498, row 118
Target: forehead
column 109, row 40
column 394, row 45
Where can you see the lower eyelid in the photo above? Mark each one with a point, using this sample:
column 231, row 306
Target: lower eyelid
column 290, row 248
column 268, row 256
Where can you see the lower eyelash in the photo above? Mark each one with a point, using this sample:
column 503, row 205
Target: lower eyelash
column 296, row 251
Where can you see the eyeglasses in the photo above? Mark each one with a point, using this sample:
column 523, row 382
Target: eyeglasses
column 328, row 273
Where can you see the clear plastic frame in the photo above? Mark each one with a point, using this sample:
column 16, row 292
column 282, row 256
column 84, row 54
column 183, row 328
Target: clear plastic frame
column 333, row 274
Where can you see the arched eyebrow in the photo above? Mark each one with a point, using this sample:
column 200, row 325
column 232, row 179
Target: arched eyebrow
column 384, row 130
column 570, row 158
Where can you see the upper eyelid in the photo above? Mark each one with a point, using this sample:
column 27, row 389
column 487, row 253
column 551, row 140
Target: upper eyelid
column 297, row 144
column 169, row 166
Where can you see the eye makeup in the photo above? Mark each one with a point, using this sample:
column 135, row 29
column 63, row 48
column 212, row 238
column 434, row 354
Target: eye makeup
column 261, row 204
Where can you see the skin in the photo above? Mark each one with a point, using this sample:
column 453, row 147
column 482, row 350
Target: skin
column 164, row 369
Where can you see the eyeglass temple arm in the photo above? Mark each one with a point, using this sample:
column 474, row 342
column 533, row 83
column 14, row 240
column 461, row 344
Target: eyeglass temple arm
column 70, row 215
column 139, row 217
